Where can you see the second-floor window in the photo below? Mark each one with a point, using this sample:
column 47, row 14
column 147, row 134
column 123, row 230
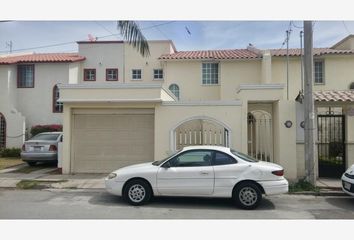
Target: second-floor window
column 319, row 71
column 136, row 74
column 25, row 76
column 174, row 88
column 111, row 74
column 158, row 74
column 57, row 106
column 210, row 73
column 89, row 74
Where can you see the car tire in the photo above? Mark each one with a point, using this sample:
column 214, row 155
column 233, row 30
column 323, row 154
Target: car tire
column 137, row 192
column 31, row 163
column 247, row 195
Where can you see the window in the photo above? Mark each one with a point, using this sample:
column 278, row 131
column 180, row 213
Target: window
column 89, row 74
column 174, row 89
column 136, row 74
column 223, row 159
column 192, row 159
column 57, row 106
column 210, row 73
column 158, row 74
column 319, row 71
column 112, row 74
column 25, row 76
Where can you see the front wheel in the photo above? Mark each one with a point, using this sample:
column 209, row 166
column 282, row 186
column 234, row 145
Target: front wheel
column 137, row 192
column 247, row 195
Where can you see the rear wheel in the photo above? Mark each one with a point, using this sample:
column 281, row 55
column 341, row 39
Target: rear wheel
column 137, row 192
column 247, row 195
column 31, row 163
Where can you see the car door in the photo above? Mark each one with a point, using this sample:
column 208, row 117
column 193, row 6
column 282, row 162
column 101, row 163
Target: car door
column 226, row 172
column 188, row 174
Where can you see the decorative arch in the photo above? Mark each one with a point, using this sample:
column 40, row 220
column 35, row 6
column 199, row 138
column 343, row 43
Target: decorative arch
column 2, row 131
column 199, row 130
column 174, row 88
column 260, row 135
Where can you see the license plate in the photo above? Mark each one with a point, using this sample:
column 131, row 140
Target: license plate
column 347, row 185
column 37, row 149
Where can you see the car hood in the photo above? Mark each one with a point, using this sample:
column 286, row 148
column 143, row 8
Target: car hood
column 136, row 168
column 350, row 170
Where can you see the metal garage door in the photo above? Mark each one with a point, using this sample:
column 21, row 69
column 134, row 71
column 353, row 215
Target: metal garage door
column 104, row 140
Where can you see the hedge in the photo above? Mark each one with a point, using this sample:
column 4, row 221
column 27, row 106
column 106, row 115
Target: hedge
column 10, row 152
column 46, row 128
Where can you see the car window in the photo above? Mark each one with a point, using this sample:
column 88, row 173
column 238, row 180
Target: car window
column 223, row 159
column 244, row 156
column 192, row 159
column 46, row 137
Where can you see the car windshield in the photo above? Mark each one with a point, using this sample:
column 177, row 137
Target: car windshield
column 46, row 137
column 158, row 162
column 244, row 156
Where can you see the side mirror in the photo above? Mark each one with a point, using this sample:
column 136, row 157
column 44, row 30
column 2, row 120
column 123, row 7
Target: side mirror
column 166, row 164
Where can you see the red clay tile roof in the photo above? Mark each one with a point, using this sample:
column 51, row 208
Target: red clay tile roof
column 211, row 54
column 316, row 51
column 334, row 96
column 42, row 57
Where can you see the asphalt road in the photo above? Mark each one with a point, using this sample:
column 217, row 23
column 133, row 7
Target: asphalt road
column 89, row 204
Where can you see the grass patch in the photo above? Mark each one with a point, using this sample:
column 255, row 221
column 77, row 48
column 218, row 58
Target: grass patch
column 303, row 186
column 29, row 169
column 9, row 162
column 36, row 184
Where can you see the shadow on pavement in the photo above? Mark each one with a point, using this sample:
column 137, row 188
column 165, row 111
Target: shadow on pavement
column 178, row 202
column 346, row 203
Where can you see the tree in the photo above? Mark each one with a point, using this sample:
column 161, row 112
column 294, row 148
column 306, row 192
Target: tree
column 131, row 32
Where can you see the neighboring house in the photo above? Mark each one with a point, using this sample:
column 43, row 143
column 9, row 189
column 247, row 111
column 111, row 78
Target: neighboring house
column 120, row 108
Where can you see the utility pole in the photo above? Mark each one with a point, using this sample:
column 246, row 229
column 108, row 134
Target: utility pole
column 287, row 63
column 9, row 45
column 302, row 63
column 309, row 104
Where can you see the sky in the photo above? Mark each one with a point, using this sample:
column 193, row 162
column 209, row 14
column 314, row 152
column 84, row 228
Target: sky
column 32, row 36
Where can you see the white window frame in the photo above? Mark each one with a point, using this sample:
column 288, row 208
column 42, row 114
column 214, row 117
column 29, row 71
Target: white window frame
column 160, row 74
column 136, row 74
column 210, row 72
column 175, row 91
column 323, row 71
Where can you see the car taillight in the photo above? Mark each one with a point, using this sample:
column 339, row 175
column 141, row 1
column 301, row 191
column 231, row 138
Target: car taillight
column 53, row 148
column 23, row 147
column 279, row 172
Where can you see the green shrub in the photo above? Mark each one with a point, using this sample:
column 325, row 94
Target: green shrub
column 302, row 185
column 46, row 128
column 10, row 152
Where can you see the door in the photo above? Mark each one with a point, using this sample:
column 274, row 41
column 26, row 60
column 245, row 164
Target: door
column 190, row 173
column 331, row 145
column 106, row 140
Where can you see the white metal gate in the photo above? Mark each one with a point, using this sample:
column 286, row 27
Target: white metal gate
column 260, row 135
column 2, row 131
column 201, row 132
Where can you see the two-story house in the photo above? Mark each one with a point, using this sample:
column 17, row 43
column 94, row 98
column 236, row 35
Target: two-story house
column 120, row 108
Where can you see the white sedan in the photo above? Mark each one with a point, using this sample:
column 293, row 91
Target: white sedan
column 200, row 171
column 348, row 181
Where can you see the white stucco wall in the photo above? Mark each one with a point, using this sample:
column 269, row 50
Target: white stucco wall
column 36, row 103
column 101, row 56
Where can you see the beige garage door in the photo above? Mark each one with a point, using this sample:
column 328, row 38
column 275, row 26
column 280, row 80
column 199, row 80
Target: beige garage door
column 104, row 140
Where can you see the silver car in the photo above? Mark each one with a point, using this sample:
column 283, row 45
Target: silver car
column 41, row 148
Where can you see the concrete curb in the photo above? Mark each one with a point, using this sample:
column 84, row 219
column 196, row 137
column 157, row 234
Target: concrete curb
column 321, row 193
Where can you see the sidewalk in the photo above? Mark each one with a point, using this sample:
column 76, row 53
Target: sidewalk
column 9, row 179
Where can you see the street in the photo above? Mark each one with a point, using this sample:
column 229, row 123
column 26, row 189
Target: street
column 97, row 204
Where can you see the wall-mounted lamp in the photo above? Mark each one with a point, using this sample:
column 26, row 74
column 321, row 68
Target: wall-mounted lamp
column 302, row 124
column 300, row 97
column 288, row 124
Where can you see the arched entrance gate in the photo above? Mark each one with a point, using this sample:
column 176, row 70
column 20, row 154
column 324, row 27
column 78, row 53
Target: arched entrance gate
column 201, row 131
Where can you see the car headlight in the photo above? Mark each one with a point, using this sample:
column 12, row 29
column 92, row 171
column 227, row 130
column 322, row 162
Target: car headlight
column 112, row 175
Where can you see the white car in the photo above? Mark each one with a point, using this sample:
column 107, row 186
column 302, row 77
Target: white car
column 348, row 181
column 200, row 171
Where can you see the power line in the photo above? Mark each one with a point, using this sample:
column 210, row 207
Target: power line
column 72, row 42
column 346, row 28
